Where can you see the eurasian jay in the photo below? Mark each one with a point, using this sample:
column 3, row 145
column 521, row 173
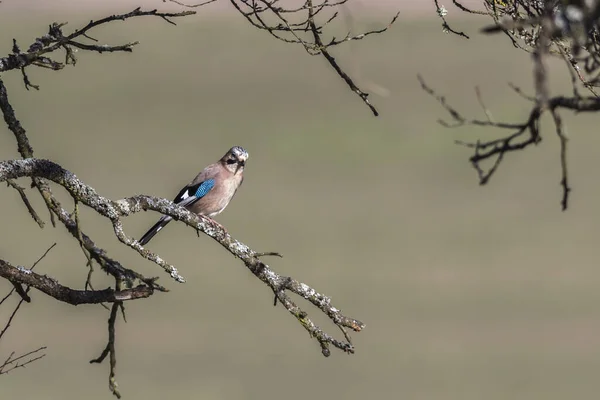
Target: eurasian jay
column 210, row 191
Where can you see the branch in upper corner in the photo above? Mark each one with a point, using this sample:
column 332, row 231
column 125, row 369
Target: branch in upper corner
column 299, row 25
column 116, row 210
column 568, row 30
column 56, row 39
column 442, row 12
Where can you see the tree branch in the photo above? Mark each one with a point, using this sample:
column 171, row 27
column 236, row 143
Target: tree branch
column 21, row 361
column 53, row 288
column 115, row 210
column 295, row 31
column 25, row 200
column 110, row 349
column 569, row 30
column 524, row 134
column 42, row 172
column 55, row 39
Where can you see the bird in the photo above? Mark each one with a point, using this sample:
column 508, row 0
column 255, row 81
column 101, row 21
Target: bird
column 210, row 191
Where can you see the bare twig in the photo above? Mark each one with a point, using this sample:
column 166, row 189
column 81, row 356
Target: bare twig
column 441, row 12
column 110, row 349
column 306, row 30
column 30, row 208
column 12, row 315
column 19, row 289
column 191, row 5
column 55, row 39
column 42, row 256
column 486, row 110
column 12, row 362
column 10, row 292
column 564, row 182
column 524, row 134
column 566, row 29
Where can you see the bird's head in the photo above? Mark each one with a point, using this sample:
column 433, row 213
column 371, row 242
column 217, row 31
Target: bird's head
column 235, row 159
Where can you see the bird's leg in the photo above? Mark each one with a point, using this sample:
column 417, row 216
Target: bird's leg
column 221, row 226
column 214, row 222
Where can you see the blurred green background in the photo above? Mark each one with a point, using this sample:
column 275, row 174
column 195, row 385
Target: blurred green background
column 467, row 292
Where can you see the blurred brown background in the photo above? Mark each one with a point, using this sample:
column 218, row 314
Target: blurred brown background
column 468, row 292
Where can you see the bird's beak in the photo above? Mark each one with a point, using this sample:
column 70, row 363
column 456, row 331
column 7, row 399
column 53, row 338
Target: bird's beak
column 240, row 164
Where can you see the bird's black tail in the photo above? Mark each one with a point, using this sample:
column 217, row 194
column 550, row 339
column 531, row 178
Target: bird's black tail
column 154, row 230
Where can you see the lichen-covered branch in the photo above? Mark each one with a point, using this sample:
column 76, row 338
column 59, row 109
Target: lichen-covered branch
column 53, row 288
column 115, row 210
column 108, row 264
column 38, row 55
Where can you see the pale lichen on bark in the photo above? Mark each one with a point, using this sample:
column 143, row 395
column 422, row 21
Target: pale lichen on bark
column 115, row 210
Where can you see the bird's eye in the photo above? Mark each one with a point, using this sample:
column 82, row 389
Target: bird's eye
column 231, row 161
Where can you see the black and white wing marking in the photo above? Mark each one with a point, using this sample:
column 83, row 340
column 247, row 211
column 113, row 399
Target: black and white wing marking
column 186, row 197
column 191, row 194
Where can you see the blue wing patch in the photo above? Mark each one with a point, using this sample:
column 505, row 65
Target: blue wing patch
column 191, row 194
column 204, row 188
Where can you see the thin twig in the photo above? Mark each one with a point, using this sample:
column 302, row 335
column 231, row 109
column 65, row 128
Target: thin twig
column 110, row 349
column 487, row 112
column 564, row 181
column 25, row 200
column 12, row 363
column 23, row 293
column 295, row 32
column 191, row 5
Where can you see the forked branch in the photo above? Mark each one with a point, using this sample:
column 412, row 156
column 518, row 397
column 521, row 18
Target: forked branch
column 522, row 136
column 13, row 362
column 304, row 24
column 567, row 30
column 116, row 210
column 56, row 39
